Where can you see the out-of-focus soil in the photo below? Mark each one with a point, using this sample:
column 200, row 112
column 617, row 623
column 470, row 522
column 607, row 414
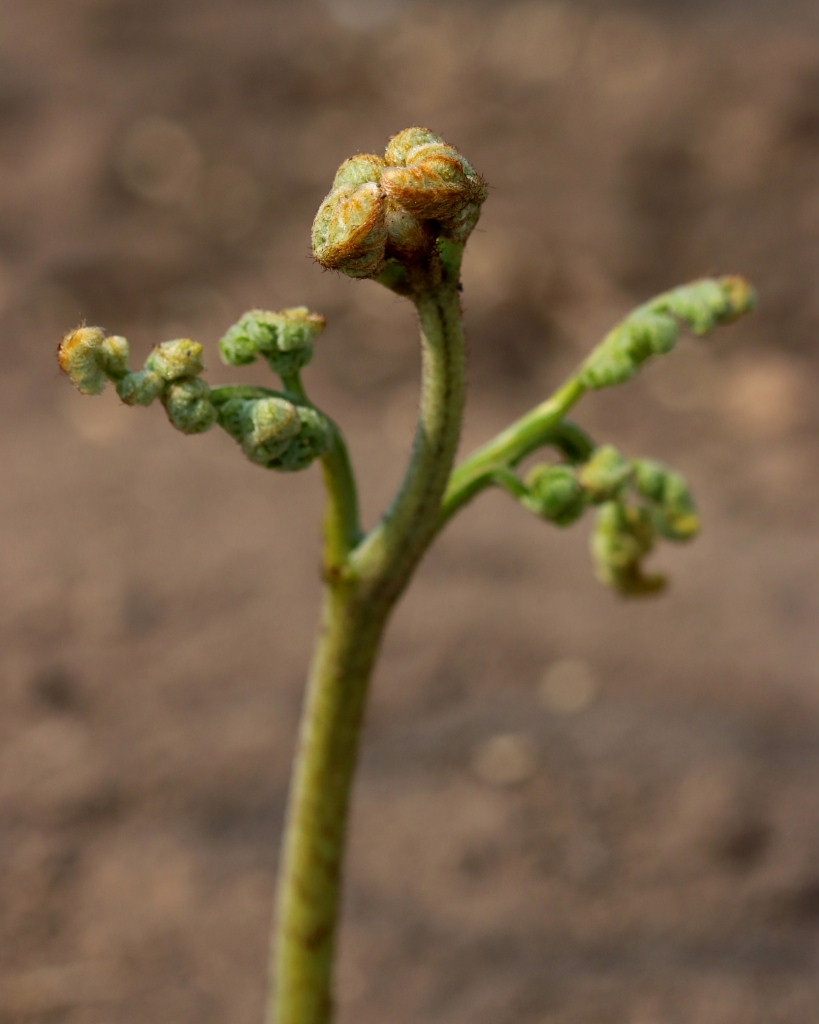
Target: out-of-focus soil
column 572, row 809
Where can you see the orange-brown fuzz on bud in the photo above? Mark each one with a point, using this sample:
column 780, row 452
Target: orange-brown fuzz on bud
column 359, row 169
column 402, row 145
column 349, row 232
column 395, row 207
column 435, row 185
column 77, row 356
column 76, row 340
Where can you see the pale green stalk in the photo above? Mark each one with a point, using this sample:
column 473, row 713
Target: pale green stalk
column 362, row 584
column 540, row 426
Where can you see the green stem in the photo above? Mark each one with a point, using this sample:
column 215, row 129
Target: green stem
column 341, row 519
column 542, row 425
column 313, row 848
column 386, row 557
column 342, row 530
column 362, row 585
column 292, row 383
column 227, row 391
column 510, row 482
column 573, row 441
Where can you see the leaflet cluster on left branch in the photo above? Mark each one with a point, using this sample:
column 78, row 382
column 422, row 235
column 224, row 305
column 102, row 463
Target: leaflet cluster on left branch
column 275, row 429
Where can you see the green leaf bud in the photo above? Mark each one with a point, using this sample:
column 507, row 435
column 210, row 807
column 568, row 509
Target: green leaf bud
column 259, row 421
column 238, row 347
column 310, row 443
column 173, row 360
column 556, row 494
column 297, row 328
column 401, row 146
column 605, row 474
column 699, row 304
column 705, row 304
column 620, row 354
column 188, row 405
column 113, row 355
column 349, row 231
column 623, row 536
column 740, row 298
column 624, row 533
column 677, row 525
column 653, row 329
column 140, row 387
column 79, row 356
column 359, row 169
column 272, row 423
column 676, row 515
column 275, row 432
column 285, row 338
column 650, row 479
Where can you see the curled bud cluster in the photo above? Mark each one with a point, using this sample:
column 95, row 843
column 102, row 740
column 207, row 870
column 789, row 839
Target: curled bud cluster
column 171, row 374
column 188, row 405
column 638, row 500
column 623, row 537
column 654, row 329
column 90, row 358
column 556, row 494
column 397, row 206
column 285, row 339
column 273, row 430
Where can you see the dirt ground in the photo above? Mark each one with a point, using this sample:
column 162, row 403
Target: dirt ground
column 572, row 809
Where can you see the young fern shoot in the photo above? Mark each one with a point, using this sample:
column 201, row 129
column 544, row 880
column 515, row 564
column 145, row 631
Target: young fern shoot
column 402, row 220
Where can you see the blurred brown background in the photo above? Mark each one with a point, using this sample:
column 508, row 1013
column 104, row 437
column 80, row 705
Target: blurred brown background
column 572, row 809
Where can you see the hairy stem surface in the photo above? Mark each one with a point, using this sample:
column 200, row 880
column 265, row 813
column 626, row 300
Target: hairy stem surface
column 309, row 888
column 363, row 581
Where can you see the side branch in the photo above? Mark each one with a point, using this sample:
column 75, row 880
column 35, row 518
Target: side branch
column 541, row 426
column 650, row 330
column 342, row 530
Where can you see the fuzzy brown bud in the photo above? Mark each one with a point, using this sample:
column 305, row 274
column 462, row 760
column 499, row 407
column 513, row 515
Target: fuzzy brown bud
column 436, row 183
column 90, row 358
column 350, row 232
column 359, row 169
column 401, row 146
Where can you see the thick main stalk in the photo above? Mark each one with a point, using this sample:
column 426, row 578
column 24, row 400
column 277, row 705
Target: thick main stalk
column 362, row 584
column 309, row 888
